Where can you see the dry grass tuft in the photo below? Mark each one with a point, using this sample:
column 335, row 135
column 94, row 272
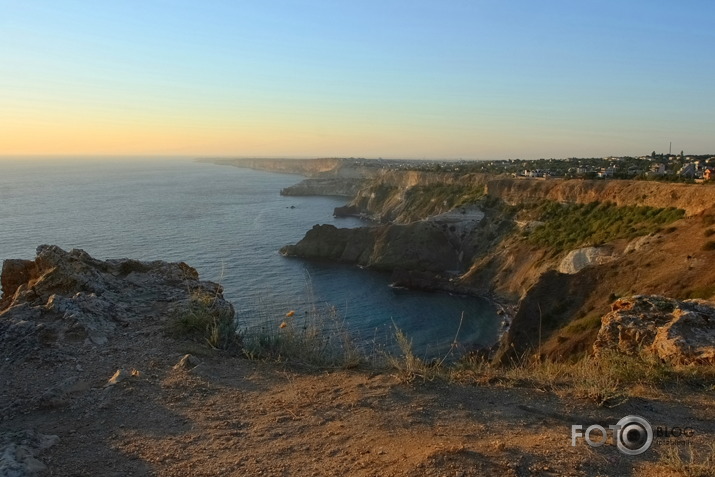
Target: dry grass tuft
column 320, row 338
column 688, row 462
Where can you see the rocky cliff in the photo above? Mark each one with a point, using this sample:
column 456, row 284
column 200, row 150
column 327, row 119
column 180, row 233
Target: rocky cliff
column 494, row 257
column 693, row 198
column 420, row 246
column 407, row 196
column 398, row 196
column 69, row 298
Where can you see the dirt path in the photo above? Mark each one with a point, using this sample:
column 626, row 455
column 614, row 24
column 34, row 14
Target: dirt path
column 231, row 416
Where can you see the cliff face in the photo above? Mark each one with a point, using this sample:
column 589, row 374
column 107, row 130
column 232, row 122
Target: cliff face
column 391, row 195
column 693, row 198
column 406, row 196
column 561, row 294
column 675, row 262
column 421, row 246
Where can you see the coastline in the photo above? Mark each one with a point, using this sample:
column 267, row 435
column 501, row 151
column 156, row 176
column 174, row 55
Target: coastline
column 348, row 188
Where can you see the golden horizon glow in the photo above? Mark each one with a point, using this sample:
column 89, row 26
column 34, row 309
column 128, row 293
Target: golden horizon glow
column 452, row 80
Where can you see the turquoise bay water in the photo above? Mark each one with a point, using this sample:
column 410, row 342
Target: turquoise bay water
column 229, row 224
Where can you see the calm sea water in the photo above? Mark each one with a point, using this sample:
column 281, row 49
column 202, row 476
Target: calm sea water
column 229, row 224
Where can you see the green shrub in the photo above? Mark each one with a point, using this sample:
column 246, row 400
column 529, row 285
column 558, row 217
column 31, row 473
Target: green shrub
column 704, row 293
column 441, row 197
column 589, row 322
column 206, row 320
column 568, row 226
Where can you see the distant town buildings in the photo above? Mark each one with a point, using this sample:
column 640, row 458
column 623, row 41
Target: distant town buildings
column 662, row 167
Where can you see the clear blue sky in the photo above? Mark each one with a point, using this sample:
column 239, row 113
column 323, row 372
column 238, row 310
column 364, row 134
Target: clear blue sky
column 434, row 79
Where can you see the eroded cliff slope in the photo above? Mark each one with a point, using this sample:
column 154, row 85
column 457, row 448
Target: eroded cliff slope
column 562, row 249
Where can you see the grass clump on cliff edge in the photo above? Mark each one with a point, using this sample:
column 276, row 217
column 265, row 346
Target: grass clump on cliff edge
column 318, row 337
column 206, row 320
column 569, row 226
column 607, row 380
column 409, row 366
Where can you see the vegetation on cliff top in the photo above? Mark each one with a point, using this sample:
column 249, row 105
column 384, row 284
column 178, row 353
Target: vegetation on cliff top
column 392, row 203
column 568, row 226
column 443, row 196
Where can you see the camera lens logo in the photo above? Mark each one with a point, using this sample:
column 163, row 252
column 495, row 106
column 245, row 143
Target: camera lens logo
column 634, row 435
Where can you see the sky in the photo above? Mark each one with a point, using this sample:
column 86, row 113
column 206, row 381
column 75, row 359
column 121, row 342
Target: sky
column 445, row 79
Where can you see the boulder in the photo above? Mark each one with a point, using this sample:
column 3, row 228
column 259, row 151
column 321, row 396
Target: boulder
column 678, row 332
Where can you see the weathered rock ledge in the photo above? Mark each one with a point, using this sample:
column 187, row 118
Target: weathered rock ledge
column 70, row 296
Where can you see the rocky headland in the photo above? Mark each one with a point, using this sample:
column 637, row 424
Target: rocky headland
column 335, row 186
column 477, row 234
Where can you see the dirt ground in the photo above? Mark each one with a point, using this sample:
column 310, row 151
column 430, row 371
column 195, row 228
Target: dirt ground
column 226, row 415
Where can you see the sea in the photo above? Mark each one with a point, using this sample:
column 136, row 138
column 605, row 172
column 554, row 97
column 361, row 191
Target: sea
column 229, row 223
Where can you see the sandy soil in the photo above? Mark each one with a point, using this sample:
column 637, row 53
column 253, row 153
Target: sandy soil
column 231, row 416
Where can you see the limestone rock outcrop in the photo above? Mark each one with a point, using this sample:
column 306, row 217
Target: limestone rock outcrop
column 71, row 297
column 679, row 332
column 577, row 260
